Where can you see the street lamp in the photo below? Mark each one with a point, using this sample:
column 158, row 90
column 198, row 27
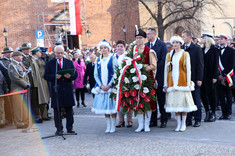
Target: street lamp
column 5, row 34
column 124, row 30
column 213, row 28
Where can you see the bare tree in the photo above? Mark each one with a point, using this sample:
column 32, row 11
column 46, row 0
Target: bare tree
column 170, row 12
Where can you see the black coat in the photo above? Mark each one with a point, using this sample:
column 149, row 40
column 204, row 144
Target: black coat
column 228, row 62
column 161, row 50
column 197, row 63
column 90, row 73
column 211, row 64
column 65, row 86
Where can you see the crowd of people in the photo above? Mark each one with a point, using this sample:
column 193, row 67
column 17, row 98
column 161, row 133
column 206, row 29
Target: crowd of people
column 188, row 73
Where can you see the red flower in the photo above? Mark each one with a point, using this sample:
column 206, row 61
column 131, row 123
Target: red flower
column 147, row 99
column 136, row 98
column 128, row 108
column 153, row 92
column 141, row 105
column 124, row 102
column 136, row 108
column 131, row 101
column 115, row 98
column 126, row 94
column 133, row 92
column 143, row 95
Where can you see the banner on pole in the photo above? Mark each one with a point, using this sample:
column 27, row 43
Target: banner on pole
column 75, row 19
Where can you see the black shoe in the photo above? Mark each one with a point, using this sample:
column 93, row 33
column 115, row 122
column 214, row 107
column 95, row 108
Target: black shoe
column 207, row 117
column 84, row 105
column 38, row 121
column 59, row 132
column 197, row 124
column 222, row 117
column 163, row 124
column 121, row 124
column 189, row 123
column 212, row 117
column 46, row 119
column 71, row 132
column 152, row 124
column 129, row 124
column 78, row 105
column 228, row 117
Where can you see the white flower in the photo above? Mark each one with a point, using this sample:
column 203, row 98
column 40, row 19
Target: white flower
column 126, row 80
column 132, row 70
column 125, row 89
column 137, row 87
column 115, row 91
column 139, row 66
column 115, row 75
column 146, row 90
column 128, row 62
column 143, row 77
column 135, row 79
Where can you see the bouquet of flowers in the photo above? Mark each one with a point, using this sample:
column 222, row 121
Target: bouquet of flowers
column 133, row 87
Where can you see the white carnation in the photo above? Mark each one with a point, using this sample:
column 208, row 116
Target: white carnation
column 143, row 77
column 145, row 90
column 139, row 66
column 132, row 70
column 126, row 80
column 135, row 79
column 115, row 91
column 115, row 75
column 137, row 87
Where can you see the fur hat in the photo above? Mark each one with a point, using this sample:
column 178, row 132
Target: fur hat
column 177, row 38
column 106, row 44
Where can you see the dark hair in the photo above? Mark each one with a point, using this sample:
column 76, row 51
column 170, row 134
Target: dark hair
column 121, row 42
column 152, row 29
column 187, row 32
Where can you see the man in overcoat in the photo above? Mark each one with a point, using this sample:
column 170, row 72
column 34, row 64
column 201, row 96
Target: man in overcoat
column 64, row 88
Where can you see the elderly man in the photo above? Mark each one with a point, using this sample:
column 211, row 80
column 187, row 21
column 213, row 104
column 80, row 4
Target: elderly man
column 64, row 89
column 19, row 81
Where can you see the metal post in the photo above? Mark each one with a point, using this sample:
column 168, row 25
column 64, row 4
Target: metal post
column 6, row 41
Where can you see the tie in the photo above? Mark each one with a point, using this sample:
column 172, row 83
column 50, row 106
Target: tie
column 151, row 45
column 186, row 47
column 60, row 63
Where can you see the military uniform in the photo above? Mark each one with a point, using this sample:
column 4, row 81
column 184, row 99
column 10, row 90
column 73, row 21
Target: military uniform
column 3, row 89
column 19, row 81
column 4, row 63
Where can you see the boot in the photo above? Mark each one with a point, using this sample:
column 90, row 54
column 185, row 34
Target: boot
column 212, row 117
column 84, row 105
column 108, row 125
column 178, row 119
column 147, row 121
column 78, row 104
column 183, row 124
column 140, row 118
column 113, row 125
column 207, row 117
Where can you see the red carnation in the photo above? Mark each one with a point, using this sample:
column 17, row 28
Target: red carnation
column 141, row 105
column 147, row 99
column 143, row 95
column 128, row 108
column 115, row 98
column 136, row 108
column 153, row 92
column 131, row 101
column 133, row 92
column 126, row 94
column 124, row 102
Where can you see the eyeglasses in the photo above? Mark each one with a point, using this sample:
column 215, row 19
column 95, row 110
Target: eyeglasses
column 59, row 53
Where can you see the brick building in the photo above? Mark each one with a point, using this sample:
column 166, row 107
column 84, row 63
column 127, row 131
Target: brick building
column 101, row 19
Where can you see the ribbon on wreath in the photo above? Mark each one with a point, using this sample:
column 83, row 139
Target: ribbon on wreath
column 128, row 61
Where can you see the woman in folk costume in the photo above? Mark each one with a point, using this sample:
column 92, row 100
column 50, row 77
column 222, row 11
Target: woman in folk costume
column 211, row 64
column 149, row 59
column 103, row 74
column 177, row 83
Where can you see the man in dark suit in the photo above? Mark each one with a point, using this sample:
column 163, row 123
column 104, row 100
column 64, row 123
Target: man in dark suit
column 161, row 50
column 197, row 67
column 89, row 73
column 226, row 77
column 65, row 89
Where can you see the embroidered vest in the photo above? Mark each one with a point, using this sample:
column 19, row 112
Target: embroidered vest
column 182, row 71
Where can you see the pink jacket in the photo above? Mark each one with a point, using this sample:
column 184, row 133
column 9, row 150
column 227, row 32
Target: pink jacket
column 80, row 69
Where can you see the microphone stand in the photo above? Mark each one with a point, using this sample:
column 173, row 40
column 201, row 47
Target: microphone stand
column 58, row 107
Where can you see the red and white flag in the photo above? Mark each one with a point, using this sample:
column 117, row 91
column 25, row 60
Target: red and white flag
column 75, row 19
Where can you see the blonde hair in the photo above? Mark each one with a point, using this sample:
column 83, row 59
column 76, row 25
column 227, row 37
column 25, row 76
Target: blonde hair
column 209, row 41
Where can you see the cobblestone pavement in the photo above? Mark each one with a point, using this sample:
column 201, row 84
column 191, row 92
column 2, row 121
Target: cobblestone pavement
column 210, row 139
